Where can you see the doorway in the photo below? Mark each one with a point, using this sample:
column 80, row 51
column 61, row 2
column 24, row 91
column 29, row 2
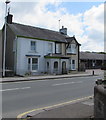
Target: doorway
column 64, row 70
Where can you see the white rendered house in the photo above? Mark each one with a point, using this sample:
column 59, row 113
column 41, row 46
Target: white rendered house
column 33, row 50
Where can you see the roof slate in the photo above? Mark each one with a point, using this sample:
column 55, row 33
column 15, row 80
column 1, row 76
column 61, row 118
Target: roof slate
column 92, row 56
column 35, row 32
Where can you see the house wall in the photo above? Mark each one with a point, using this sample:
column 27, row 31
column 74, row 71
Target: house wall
column 9, row 49
column 1, row 53
column 63, row 49
column 75, row 56
column 24, row 48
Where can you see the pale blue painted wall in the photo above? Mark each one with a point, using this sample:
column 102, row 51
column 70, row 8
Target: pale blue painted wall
column 24, row 48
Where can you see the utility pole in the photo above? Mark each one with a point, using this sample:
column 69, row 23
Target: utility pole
column 5, row 37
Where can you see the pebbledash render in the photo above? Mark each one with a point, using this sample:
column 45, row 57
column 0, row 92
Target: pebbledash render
column 33, row 51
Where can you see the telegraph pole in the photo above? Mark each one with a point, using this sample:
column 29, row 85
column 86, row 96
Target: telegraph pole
column 5, row 32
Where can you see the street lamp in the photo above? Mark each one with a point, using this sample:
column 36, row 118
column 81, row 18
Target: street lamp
column 4, row 51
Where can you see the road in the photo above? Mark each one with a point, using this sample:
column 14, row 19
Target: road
column 20, row 97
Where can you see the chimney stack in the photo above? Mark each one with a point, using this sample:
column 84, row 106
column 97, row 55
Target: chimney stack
column 9, row 18
column 63, row 30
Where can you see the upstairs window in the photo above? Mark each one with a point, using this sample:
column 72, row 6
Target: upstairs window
column 71, row 48
column 50, row 47
column 33, row 45
column 58, row 48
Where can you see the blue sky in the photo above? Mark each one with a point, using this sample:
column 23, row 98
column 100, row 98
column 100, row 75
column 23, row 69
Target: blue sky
column 85, row 20
column 75, row 7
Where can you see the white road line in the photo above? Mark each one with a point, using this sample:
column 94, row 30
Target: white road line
column 15, row 89
column 67, row 83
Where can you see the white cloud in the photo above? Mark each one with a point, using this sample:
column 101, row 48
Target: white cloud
column 88, row 27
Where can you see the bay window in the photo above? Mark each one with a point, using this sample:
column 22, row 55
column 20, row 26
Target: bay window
column 71, row 48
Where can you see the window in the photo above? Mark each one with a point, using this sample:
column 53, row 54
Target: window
column 29, row 63
column 73, row 64
column 33, row 45
column 32, row 64
column 71, row 48
column 58, row 48
column 50, row 47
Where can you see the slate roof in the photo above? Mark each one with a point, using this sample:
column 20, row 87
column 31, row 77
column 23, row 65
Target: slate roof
column 35, row 32
column 40, row 33
column 92, row 56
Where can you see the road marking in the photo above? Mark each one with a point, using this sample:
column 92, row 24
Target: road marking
column 15, row 89
column 22, row 115
column 67, row 83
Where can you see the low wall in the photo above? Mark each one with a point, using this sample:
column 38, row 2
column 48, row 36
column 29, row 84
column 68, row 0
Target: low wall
column 100, row 102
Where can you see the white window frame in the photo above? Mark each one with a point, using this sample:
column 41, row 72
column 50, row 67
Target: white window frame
column 30, row 65
column 58, row 48
column 31, row 47
column 50, row 47
column 71, row 48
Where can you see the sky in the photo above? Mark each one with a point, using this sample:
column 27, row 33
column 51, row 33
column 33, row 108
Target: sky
column 83, row 19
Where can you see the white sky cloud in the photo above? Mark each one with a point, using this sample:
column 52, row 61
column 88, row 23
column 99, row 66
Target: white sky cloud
column 88, row 27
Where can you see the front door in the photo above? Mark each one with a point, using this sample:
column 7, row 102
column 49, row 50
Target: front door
column 64, row 71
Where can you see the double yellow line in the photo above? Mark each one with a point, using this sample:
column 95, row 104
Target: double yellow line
column 22, row 115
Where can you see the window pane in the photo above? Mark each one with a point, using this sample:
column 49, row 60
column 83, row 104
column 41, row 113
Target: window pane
column 33, row 45
column 34, row 60
column 73, row 61
column 29, row 63
column 58, row 48
column 29, row 60
column 34, row 66
column 50, row 47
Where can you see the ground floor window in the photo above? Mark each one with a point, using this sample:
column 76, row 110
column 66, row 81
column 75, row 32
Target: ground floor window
column 73, row 64
column 32, row 64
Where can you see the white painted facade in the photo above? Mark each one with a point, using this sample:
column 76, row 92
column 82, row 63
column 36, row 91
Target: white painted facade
column 23, row 52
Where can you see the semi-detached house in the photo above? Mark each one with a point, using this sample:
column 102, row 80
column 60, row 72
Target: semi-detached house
column 33, row 50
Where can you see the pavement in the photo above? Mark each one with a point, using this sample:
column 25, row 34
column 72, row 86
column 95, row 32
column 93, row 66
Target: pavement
column 43, row 77
column 81, row 108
